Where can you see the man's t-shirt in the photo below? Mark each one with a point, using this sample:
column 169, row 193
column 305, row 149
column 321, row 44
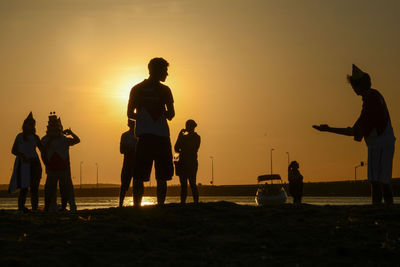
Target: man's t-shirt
column 150, row 100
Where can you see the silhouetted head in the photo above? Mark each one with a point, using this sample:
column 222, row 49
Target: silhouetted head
column 190, row 125
column 54, row 126
column 158, row 69
column 359, row 80
column 28, row 127
column 131, row 124
column 294, row 165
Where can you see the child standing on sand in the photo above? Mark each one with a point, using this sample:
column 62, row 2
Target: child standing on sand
column 55, row 155
column 27, row 168
column 295, row 182
column 127, row 147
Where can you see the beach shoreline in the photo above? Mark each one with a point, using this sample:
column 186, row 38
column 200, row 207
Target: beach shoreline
column 207, row 234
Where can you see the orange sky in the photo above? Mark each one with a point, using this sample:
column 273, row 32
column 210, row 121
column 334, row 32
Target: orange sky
column 255, row 75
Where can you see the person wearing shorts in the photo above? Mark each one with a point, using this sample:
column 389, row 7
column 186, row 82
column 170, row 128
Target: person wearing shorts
column 151, row 104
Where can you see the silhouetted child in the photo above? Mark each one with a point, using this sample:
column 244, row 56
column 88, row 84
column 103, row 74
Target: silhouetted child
column 55, row 155
column 187, row 145
column 295, row 182
column 374, row 125
column 127, row 147
column 27, row 168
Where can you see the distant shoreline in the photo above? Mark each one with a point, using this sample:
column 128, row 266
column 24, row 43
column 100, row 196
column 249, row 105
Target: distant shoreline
column 342, row 188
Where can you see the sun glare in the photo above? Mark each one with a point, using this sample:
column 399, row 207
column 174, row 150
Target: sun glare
column 122, row 85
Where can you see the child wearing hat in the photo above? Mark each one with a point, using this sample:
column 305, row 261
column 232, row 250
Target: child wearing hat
column 55, row 155
column 375, row 127
column 27, row 168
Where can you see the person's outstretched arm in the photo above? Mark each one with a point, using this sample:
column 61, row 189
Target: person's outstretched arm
column 348, row 131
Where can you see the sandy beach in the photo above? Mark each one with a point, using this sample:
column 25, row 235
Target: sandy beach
column 208, row 234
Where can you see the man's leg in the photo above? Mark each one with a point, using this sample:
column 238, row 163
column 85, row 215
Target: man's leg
column 163, row 165
column 50, row 191
column 36, row 174
column 63, row 191
column 138, row 190
column 35, row 192
column 376, row 192
column 161, row 191
column 195, row 191
column 70, row 194
column 183, row 182
column 387, row 193
column 124, row 185
column 22, row 199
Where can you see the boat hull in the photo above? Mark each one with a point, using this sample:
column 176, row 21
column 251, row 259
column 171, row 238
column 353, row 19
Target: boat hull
column 267, row 199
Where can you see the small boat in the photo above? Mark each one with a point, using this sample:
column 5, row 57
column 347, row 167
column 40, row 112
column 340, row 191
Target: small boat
column 270, row 193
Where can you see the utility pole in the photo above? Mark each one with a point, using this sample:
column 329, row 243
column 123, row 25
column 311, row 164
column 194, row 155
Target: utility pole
column 271, row 158
column 97, row 175
column 212, row 170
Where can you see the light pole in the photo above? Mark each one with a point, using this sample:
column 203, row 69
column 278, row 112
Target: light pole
column 271, row 158
column 212, row 170
column 97, row 175
column 80, row 175
column 355, row 170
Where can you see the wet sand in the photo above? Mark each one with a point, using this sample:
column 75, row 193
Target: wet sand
column 208, row 234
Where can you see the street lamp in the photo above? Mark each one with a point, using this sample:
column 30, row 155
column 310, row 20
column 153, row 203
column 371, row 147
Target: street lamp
column 355, row 170
column 80, row 175
column 212, row 170
column 271, row 158
column 97, row 175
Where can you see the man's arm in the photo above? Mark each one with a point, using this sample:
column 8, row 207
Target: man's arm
column 132, row 107
column 170, row 112
column 349, row 131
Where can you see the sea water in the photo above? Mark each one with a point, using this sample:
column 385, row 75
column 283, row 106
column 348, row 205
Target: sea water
column 109, row 202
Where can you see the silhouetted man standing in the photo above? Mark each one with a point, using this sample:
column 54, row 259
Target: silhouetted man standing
column 375, row 127
column 151, row 104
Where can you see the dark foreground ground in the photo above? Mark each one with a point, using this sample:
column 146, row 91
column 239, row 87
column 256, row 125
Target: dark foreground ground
column 209, row 234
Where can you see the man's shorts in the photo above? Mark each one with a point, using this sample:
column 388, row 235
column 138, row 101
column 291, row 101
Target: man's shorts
column 153, row 148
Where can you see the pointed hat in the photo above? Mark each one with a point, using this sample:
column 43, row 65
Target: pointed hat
column 357, row 73
column 30, row 117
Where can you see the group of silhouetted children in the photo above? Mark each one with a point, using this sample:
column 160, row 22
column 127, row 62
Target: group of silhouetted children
column 27, row 172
